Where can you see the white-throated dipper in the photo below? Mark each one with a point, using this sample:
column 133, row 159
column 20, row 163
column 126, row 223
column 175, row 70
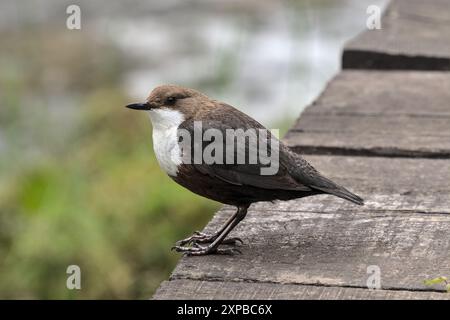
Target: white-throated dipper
column 185, row 121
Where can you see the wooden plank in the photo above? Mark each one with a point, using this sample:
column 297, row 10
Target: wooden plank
column 378, row 113
column 381, row 144
column 184, row 289
column 378, row 93
column 414, row 36
column 395, row 135
column 301, row 242
column 417, row 185
column 332, row 249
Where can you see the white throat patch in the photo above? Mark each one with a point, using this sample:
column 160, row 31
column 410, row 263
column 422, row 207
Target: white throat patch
column 165, row 123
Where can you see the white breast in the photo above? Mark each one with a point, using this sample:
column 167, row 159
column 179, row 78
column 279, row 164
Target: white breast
column 165, row 123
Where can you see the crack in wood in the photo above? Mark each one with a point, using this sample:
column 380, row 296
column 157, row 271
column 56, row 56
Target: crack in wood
column 315, row 284
column 370, row 152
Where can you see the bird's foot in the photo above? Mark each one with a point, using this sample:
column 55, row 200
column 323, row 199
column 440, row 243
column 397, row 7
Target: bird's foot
column 198, row 250
column 200, row 237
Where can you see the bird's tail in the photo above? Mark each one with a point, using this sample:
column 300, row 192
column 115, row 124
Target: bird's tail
column 310, row 177
column 344, row 194
column 330, row 187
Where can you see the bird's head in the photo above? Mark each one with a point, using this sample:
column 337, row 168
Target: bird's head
column 169, row 99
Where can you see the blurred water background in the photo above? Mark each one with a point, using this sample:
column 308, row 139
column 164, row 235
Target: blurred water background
column 79, row 183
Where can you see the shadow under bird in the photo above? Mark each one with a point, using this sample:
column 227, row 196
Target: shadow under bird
column 172, row 109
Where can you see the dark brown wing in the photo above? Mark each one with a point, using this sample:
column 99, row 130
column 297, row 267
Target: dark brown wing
column 244, row 173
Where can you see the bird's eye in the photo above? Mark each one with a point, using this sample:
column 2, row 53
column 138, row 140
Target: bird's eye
column 171, row 100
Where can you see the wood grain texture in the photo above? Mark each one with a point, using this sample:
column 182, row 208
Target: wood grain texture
column 379, row 93
column 219, row 290
column 324, row 241
column 414, row 36
column 378, row 113
column 333, row 249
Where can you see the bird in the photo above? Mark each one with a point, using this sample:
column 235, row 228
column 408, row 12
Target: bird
column 173, row 109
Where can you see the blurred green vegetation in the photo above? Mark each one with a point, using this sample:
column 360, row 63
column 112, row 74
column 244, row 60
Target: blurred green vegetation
column 78, row 181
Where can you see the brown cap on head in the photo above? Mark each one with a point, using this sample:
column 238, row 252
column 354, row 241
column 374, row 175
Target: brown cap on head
column 188, row 101
column 167, row 93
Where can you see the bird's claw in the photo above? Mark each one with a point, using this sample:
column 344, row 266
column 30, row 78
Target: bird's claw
column 198, row 250
column 196, row 237
column 234, row 240
column 200, row 237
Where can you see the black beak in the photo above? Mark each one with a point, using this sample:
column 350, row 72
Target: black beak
column 139, row 106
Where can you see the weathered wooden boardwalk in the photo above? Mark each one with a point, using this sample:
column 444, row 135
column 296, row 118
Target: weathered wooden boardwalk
column 383, row 133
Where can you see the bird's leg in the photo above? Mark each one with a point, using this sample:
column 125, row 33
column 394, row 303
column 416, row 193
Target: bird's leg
column 197, row 250
column 200, row 237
